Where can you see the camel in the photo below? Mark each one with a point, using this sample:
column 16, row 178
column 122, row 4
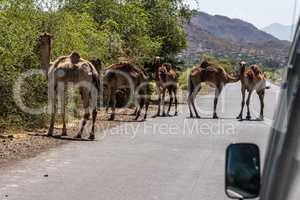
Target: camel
column 97, row 63
column 252, row 79
column 69, row 69
column 127, row 76
column 209, row 73
column 166, row 80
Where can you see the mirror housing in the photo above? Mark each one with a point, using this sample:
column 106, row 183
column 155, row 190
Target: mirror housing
column 242, row 176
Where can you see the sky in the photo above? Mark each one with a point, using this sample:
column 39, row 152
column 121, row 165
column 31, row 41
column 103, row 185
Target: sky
column 261, row 13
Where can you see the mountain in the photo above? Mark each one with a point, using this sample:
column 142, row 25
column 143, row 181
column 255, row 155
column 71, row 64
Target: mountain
column 282, row 32
column 233, row 39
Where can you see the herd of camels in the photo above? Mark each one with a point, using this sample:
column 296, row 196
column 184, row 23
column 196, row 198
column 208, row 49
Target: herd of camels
column 76, row 70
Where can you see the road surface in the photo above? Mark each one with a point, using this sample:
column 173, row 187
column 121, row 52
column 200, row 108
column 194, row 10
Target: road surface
column 174, row 158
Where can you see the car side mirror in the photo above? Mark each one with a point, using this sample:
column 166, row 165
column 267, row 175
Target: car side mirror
column 242, row 171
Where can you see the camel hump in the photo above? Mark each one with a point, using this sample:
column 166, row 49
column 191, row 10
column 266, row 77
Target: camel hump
column 256, row 70
column 250, row 74
column 75, row 57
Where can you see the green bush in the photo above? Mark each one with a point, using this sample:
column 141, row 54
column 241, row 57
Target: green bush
column 105, row 29
column 183, row 79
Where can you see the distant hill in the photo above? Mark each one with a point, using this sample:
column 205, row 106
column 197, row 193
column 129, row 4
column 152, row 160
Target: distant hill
column 234, row 39
column 282, row 32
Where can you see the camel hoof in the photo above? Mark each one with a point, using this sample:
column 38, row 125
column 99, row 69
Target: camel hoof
column 78, row 136
column 176, row 114
column 50, row 133
column 261, row 118
column 64, row 133
column 164, row 115
column 111, row 118
column 239, row 117
column 248, row 117
column 91, row 137
column 197, row 116
column 215, row 116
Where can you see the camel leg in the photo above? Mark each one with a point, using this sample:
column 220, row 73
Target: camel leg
column 240, row 116
column 171, row 101
column 146, row 108
column 107, row 108
column 159, row 100
column 63, row 100
column 176, row 102
column 92, row 133
column 108, row 100
column 189, row 101
column 85, row 98
column 193, row 96
column 52, row 100
column 113, row 100
column 248, row 117
column 163, row 102
column 217, row 94
column 141, row 105
column 261, row 96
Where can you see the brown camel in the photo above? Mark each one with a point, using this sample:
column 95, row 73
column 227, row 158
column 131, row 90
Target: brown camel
column 127, row 76
column 97, row 63
column 166, row 80
column 65, row 70
column 209, row 73
column 252, row 79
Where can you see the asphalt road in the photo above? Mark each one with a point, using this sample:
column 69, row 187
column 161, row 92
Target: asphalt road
column 164, row 158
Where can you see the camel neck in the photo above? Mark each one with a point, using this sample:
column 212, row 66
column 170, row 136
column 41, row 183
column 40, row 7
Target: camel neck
column 243, row 69
column 156, row 69
column 45, row 51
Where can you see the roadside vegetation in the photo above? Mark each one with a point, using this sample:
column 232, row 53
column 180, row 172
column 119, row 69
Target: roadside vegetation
column 136, row 30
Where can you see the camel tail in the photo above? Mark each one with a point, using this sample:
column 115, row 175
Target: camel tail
column 268, row 84
column 191, row 86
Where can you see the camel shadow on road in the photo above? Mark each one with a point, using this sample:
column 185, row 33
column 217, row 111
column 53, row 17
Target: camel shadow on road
column 210, row 118
column 58, row 137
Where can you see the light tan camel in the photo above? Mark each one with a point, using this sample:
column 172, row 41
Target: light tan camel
column 166, row 80
column 209, row 73
column 126, row 76
column 63, row 71
column 252, row 79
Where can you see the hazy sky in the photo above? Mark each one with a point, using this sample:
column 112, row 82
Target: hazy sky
column 259, row 12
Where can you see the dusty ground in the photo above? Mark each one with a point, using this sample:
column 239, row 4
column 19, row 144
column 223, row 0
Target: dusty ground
column 20, row 144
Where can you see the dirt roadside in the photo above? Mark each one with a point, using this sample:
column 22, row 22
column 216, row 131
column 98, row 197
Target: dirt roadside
column 21, row 144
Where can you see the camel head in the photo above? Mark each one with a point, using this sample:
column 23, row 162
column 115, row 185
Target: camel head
column 242, row 68
column 97, row 64
column 242, row 63
column 45, row 50
column 75, row 57
column 157, row 62
column 45, row 39
column 205, row 64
